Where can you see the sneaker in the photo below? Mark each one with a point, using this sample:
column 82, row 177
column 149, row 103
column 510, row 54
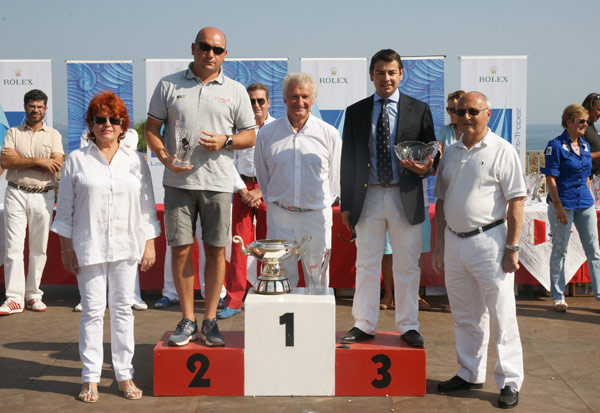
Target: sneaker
column 140, row 306
column 164, row 302
column 221, row 304
column 228, row 312
column 78, row 308
column 37, row 305
column 186, row 331
column 560, row 306
column 10, row 307
column 211, row 334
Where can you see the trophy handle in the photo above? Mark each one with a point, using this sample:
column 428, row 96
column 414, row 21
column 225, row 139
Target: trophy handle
column 305, row 238
column 238, row 240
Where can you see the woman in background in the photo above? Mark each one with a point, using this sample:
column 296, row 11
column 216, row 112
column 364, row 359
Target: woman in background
column 448, row 134
column 568, row 168
column 106, row 220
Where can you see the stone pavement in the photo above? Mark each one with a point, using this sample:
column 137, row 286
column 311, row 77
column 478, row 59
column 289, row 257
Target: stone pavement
column 40, row 368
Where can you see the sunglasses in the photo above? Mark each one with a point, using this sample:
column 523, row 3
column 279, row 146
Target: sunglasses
column 472, row 111
column 352, row 237
column 101, row 120
column 583, row 121
column 450, row 110
column 260, row 101
column 205, row 47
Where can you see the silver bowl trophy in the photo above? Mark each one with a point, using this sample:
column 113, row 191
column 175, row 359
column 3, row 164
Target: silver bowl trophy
column 417, row 151
column 315, row 263
column 186, row 139
column 272, row 252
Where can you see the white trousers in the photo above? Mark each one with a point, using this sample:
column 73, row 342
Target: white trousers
column 169, row 290
column 118, row 278
column 23, row 209
column 293, row 226
column 480, row 292
column 383, row 211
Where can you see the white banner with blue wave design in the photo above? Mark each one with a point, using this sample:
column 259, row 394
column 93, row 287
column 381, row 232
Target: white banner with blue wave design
column 424, row 80
column 85, row 79
column 18, row 77
column 503, row 79
column 341, row 82
column 268, row 71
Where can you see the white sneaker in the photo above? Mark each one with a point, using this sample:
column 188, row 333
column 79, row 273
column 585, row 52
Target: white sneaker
column 141, row 306
column 37, row 305
column 10, row 307
column 78, row 308
column 560, row 306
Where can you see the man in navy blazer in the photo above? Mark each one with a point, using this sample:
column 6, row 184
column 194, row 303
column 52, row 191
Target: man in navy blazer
column 379, row 193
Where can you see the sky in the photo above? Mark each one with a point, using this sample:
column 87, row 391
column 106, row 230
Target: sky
column 563, row 65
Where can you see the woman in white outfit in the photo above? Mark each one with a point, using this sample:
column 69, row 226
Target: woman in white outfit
column 106, row 220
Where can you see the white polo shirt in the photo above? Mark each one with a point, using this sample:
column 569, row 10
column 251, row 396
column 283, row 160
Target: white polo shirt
column 476, row 184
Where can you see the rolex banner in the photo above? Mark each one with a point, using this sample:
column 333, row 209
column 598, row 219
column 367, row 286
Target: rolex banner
column 18, row 77
column 503, row 79
column 270, row 72
column 87, row 79
column 341, row 83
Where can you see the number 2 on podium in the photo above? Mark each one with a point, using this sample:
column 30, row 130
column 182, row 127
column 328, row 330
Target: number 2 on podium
column 288, row 320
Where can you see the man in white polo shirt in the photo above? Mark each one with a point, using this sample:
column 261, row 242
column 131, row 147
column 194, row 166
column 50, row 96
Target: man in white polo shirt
column 479, row 213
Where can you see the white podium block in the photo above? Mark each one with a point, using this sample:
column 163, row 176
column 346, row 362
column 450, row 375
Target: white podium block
column 289, row 344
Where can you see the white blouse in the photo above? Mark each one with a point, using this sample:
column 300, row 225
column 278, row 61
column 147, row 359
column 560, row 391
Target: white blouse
column 107, row 210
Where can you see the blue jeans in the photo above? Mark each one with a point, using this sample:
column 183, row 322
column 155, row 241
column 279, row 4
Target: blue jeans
column 585, row 222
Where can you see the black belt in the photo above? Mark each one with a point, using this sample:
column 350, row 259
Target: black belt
column 478, row 230
column 248, row 178
column 32, row 189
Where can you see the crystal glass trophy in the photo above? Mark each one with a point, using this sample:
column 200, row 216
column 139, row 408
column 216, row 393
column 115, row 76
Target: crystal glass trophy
column 187, row 140
column 314, row 264
column 272, row 252
column 533, row 182
column 417, row 151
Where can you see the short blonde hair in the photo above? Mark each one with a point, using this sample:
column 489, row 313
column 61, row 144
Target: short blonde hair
column 572, row 112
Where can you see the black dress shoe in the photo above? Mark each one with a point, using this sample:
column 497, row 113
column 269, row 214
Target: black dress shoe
column 456, row 384
column 509, row 398
column 413, row 338
column 355, row 335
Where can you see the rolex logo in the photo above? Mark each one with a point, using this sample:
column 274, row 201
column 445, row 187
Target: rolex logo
column 493, row 69
column 18, row 72
column 333, row 70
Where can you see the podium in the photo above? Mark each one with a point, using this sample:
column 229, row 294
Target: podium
column 290, row 347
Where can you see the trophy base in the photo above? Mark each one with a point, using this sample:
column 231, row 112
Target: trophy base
column 272, row 285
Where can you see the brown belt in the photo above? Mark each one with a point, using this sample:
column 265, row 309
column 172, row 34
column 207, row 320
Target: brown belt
column 248, row 178
column 32, row 189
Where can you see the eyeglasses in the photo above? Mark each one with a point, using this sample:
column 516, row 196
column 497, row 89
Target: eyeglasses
column 101, row 120
column 450, row 110
column 352, row 237
column 260, row 101
column 205, row 47
column 583, row 121
column 472, row 111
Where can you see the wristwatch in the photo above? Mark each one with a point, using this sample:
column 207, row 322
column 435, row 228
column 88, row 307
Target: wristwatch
column 228, row 142
column 514, row 248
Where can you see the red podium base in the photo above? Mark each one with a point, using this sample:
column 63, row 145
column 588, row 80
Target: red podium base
column 198, row 370
column 382, row 366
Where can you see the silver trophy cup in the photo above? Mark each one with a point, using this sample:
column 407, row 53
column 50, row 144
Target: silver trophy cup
column 314, row 264
column 272, row 252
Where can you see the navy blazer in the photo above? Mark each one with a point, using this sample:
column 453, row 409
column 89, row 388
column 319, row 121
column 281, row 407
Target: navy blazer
column 414, row 123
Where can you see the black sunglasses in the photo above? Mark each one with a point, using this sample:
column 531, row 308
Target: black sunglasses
column 450, row 110
column 352, row 237
column 101, row 120
column 472, row 111
column 205, row 47
column 583, row 121
column 260, row 101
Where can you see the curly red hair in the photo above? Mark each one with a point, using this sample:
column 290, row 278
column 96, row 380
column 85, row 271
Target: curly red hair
column 109, row 103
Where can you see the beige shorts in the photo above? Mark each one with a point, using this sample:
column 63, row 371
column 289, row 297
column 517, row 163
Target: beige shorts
column 182, row 207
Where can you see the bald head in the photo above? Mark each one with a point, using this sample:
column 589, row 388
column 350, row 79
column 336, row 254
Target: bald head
column 210, row 32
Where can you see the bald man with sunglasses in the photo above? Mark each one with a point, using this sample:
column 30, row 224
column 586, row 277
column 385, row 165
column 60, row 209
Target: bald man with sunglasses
column 480, row 195
column 201, row 95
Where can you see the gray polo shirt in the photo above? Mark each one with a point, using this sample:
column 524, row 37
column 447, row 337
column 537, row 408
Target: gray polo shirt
column 221, row 106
